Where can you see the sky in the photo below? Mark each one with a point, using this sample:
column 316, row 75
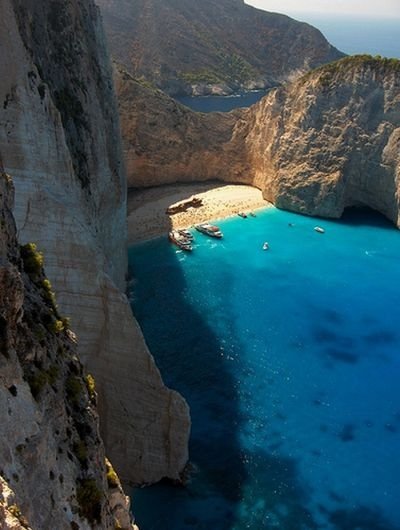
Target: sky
column 368, row 8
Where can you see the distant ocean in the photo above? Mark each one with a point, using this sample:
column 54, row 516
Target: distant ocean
column 358, row 35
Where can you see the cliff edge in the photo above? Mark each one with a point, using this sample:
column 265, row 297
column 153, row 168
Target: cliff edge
column 60, row 142
column 53, row 470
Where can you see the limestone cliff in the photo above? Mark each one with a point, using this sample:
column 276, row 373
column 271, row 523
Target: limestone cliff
column 329, row 141
column 163, row 141
column 325, row 142
column 59, row 139
column 53, row 472
column 185, row 46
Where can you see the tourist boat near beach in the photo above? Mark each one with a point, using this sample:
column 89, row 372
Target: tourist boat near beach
column 179, row 240
column 319, row 229
column 209, row 230
column 242, row 214
column 184, row 232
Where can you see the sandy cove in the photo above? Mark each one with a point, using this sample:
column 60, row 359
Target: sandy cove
column 147, row 216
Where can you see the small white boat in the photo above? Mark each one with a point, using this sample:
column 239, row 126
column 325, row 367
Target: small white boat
column 319, row 229
column 265, row 246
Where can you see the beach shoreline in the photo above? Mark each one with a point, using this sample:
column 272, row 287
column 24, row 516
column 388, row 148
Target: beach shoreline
column 147, row 217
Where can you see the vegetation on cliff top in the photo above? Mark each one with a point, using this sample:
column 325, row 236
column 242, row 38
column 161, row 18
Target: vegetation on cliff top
column 328, row 72
column 181, row 42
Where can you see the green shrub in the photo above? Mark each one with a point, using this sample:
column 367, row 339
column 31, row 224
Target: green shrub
column 80, row 451
column 52, row 374
column 32, row 258
column 112, row 477
column 39, row 332
column 91, row 386
column 73, row 387
column 37, row 382
column 89, row 500
column 48, row 293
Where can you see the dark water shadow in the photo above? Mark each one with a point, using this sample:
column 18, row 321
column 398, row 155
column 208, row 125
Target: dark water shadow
column 365, row 216
column 225, row 489
column 189, row 357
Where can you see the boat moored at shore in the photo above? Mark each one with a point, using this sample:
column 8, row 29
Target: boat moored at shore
column 209, row 230
column 180, row 240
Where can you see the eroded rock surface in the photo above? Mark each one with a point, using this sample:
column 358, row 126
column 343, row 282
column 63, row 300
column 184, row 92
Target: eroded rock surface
column 59, row 139
column 325, row 142
column 52, row 464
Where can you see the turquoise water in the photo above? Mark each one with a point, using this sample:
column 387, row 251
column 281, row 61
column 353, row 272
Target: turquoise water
column 289, row 359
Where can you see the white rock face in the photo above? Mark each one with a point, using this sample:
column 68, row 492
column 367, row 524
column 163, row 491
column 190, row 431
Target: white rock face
column 59, row 139
column 328, row 141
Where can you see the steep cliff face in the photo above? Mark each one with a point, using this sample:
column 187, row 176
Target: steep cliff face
column 329, row 141
column 59, row 140
column 186, row 45
column 326, row 142
column 163, row 141
column 53, row 470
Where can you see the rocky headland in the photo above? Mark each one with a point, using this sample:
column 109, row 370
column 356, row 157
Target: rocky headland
column 60, row 142
column 328, row 141
column 209, row 47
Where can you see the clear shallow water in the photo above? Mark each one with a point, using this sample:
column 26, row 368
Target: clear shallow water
column 289, row 359
column 221, row 103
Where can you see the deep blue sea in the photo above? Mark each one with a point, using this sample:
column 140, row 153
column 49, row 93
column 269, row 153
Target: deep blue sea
column 290, row 361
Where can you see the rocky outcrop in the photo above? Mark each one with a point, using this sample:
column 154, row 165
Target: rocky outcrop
column 329, row 141
column 53, row 470
column 59, row 139
column 186, row 46
column 163, row 141
column 317, row 146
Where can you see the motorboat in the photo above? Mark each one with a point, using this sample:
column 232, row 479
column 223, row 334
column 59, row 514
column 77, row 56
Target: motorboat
column 184, row 232
column 265, row 246
column 319, row 229
column 180, row 241
column 209, row 230
column 242, row 214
